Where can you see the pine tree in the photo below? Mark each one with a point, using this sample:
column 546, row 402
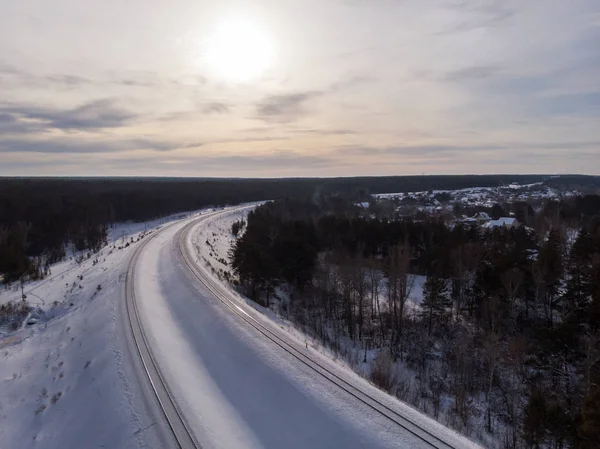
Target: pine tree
column 579, row 282
column 589, row 430
column 434, row 308
column 550, row 262
column 534, row 423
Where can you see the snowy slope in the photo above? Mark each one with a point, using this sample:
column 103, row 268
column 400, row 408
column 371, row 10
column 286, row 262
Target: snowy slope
column 68, row 381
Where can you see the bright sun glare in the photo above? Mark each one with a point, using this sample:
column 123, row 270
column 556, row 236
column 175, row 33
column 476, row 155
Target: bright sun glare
column 239, row 50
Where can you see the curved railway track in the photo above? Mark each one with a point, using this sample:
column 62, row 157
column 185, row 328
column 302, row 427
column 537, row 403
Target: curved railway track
column 217, row 290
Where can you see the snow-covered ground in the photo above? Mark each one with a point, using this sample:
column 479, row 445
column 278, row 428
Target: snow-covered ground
column 214, row 240
column 70, row 380
column 67, row 381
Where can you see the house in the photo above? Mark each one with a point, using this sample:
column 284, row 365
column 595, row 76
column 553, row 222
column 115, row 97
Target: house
column 468, row 220
column 482, row 216
column 506, row 222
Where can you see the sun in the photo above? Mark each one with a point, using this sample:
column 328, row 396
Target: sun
column 239, row 50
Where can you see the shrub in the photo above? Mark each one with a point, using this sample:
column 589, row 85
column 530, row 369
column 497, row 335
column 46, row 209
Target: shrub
column 13, row 313
column 381, row 373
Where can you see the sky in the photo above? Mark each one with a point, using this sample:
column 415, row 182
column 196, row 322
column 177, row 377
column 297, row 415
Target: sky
column 272, row 88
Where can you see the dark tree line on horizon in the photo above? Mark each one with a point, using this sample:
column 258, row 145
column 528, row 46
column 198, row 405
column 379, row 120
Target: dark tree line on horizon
column 41, row 217
column 510, row 317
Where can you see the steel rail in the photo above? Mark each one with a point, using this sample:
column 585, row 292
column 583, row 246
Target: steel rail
column 373, row 403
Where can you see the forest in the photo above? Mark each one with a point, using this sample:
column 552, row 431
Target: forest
column 505, row 345
column 41, row 217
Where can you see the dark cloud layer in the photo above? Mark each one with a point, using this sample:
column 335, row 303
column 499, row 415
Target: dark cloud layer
column 67, row 145
column 216, row 108
column 285, row 108
column 93, row 115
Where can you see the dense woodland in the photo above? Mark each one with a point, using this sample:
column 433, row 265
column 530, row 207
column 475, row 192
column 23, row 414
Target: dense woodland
column 507, row 337
column 41, row 217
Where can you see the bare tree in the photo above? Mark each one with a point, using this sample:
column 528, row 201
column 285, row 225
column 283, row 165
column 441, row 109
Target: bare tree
column 399, row 289
column 466, row 258
column 512, row 280
column 3, row 234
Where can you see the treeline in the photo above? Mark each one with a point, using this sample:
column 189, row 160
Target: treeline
column 508, row 331
column 41, row 217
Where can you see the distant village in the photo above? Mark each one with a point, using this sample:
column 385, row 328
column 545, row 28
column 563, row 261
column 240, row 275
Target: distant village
column 506, row 206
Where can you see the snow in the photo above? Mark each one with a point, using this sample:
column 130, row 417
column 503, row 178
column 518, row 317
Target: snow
column 501, row 222
column 67, row 380
column 416, row 293
column 215, row 239
column 485, row 196
column 346, row 409
column 72, row 352
column 237, row 388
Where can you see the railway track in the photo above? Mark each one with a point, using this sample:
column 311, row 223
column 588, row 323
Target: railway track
column 217, row 290
column 173, row 416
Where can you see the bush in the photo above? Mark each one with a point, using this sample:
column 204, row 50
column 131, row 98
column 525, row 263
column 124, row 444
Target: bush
column 56, row 397
column 13, row 313
column 381, row 374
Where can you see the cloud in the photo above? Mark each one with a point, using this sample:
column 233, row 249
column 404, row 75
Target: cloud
column 412, row 150
column 281, row 159
column 17, row 77
column 476, row 14
column 432, row 150
column 472, row 73
column 350, row 81
column 11, row 124
column 249, row 140
column 67, row 145
column 324, row 132
column 68, row 80
column 277, row 163
column 285, row 108
column 216, row 108
column 93, row 115
column 574, row 104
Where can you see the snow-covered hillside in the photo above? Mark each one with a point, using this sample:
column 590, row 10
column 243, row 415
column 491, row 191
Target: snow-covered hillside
column 66, row 378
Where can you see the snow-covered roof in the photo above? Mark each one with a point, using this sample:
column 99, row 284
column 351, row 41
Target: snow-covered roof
column 364, row 204
column 503, row 221
column 483, row 216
